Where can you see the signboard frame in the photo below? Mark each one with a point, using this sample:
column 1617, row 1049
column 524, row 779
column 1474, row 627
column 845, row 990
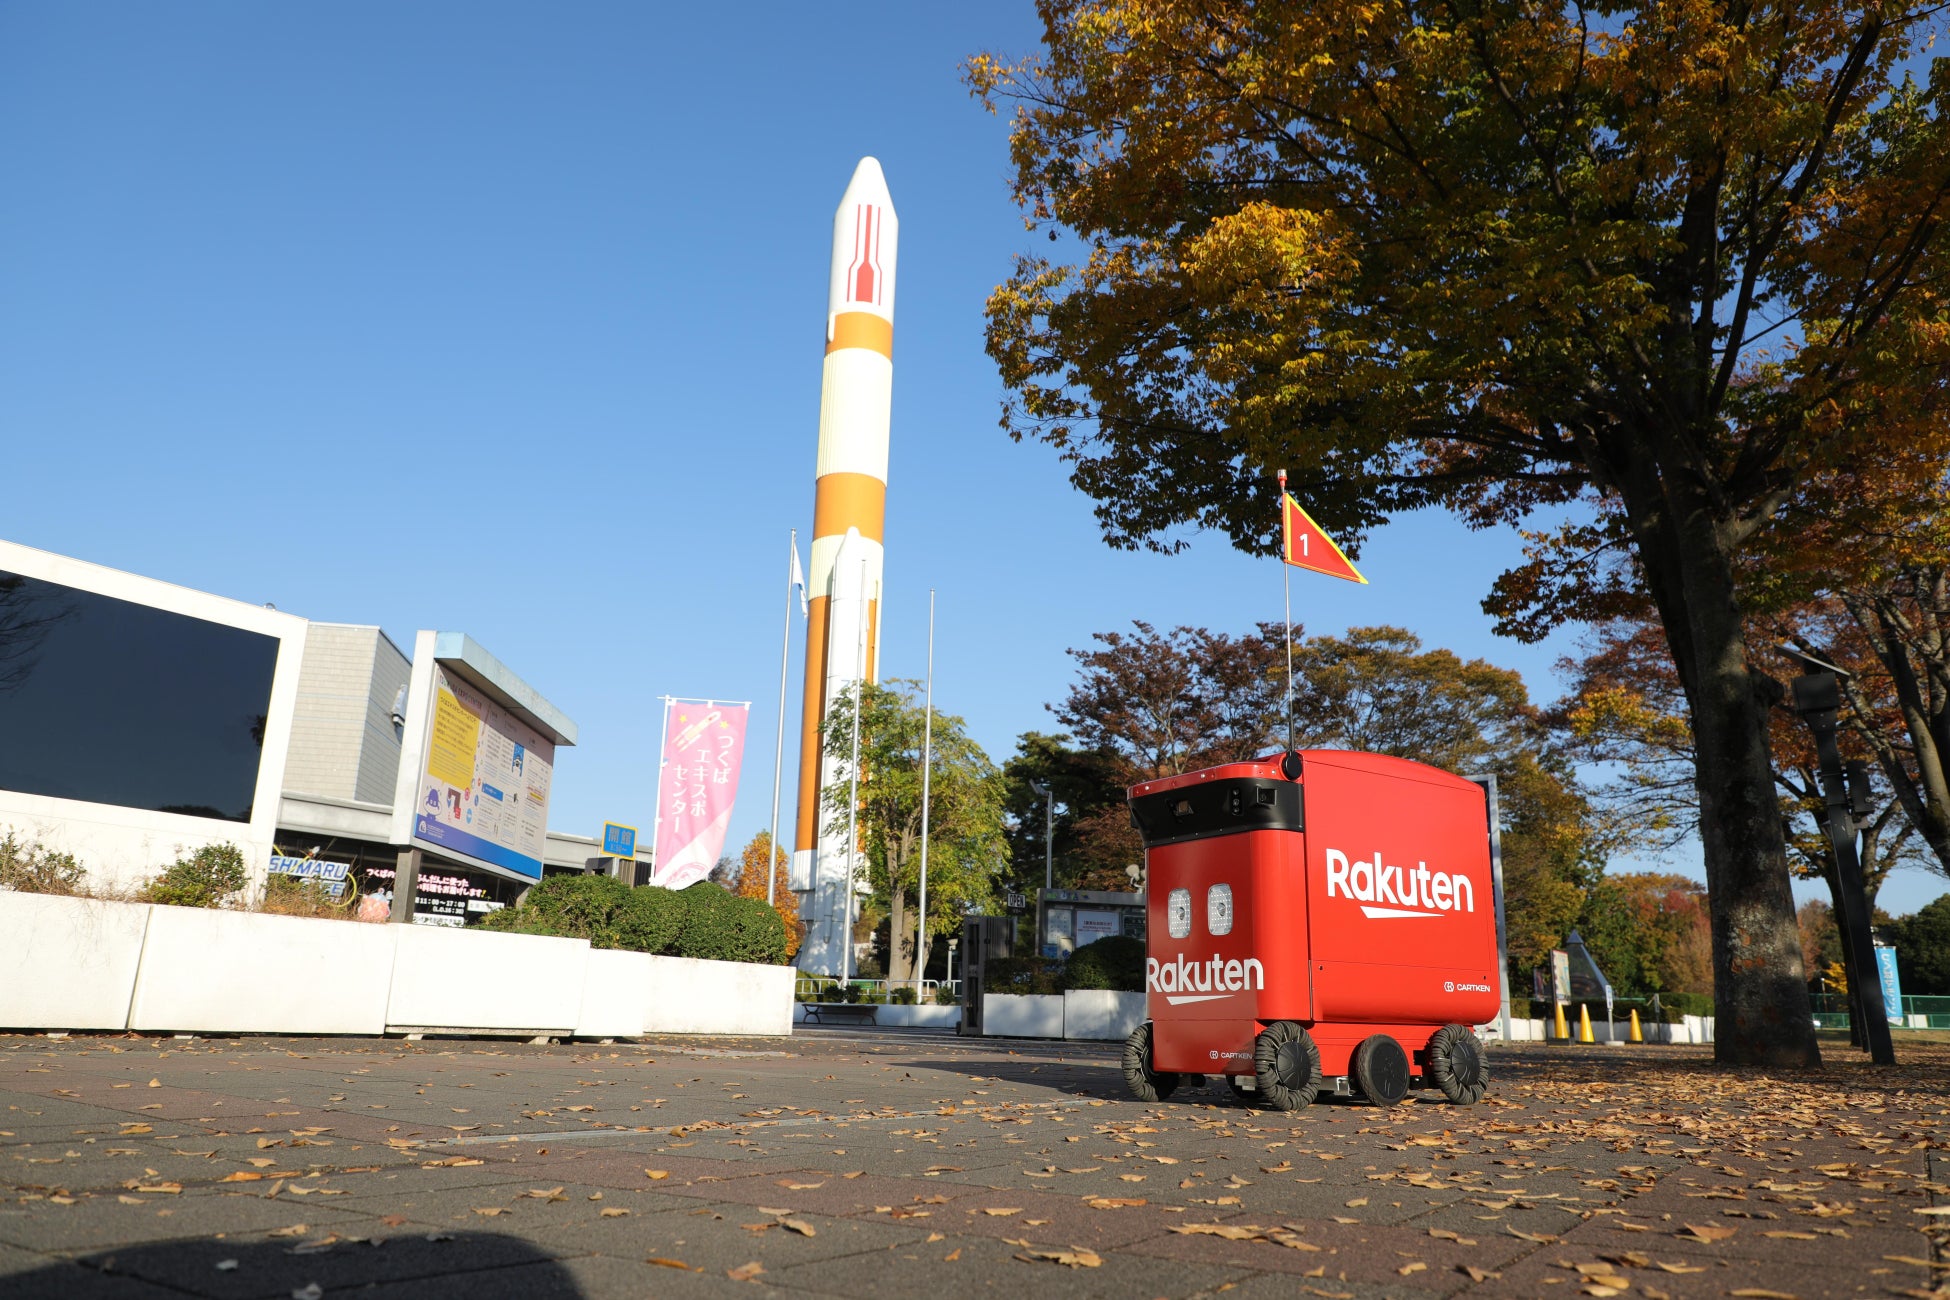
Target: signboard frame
column 461, row 658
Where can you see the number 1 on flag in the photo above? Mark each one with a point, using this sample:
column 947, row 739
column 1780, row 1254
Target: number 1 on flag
column 1298, row 532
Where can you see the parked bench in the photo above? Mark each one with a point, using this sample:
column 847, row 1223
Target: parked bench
column 857, row 1012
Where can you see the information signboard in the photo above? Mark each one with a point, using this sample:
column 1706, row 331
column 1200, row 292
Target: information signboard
column 484, row 784
column 619, row 841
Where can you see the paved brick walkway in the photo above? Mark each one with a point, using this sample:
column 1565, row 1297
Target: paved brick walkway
column 922, row 1166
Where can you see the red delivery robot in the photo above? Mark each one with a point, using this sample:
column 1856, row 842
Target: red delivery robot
column 1313, row 918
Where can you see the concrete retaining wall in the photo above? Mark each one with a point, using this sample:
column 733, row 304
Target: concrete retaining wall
column 69, row 963
column 206, row 971
column 1022, row 1015
column 1101, row 1014
column 692, row 996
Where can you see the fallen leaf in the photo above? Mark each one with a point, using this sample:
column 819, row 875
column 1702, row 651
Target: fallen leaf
column 998, row 1211
column 668, row 1263
column 951, row 1256
column 1114, row 1202
column 653, row 1175
column 1445, row 1235
column 1414, row 1266
column 1357, row 1202
column 800, row 1187
column 1075, row 1257
column 1705, row 1233
column 1792, row 1236
column 295, row 1230
column 490, row 1210
column 392, row 1220
column 1476, row 1274
column 241, row 1176
column 1762, row 1293
column 155, row 1083
column 309, row 1291
column 799, row 1226
column 1677, row 1268
column 1543, row 1237
column 614, row 1212
column 745, row 1272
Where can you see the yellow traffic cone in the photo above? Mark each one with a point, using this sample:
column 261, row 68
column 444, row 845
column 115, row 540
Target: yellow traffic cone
column 1638, row 1035
column 1584, row 1025
column 1563, row 1031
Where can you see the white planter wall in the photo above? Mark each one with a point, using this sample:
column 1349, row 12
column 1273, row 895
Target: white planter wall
column 68, row 963
column 207, row 971
column 1101, row 1013
column 691, row 996
column 484, row 981
column 1022, row 1015
column 615, row 994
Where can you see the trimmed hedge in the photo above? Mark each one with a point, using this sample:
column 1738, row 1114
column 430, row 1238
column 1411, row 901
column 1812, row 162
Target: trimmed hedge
column 1023, row 975
column 703, row 921
column 1113, row 962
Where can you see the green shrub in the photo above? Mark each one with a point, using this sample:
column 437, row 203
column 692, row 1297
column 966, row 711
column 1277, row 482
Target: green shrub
column 904, row 996
column 1674, row 1006
column 1023, row 975
column 31, row 869
column 204, row 879
column 1113, row 962
column 945, row 996
column 702, row 921
column 720, row 926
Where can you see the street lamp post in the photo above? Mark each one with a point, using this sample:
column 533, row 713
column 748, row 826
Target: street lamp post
column 1049, row 833
column 1817, row 698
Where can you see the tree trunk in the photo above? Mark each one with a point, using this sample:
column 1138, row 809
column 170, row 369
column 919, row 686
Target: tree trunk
column 1760, row 994
column 897, row 942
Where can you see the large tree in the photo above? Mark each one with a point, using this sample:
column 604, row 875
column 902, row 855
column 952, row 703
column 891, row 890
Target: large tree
column 1663, row 262
column 964, row 821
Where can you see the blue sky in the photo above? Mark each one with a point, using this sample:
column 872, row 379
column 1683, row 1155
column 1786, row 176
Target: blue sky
column 508, row 319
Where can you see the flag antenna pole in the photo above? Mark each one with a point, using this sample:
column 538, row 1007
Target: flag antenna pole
column 1286, row 583
column 778, row 752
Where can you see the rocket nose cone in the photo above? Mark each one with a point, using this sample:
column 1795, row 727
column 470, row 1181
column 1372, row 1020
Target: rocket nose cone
column 869, row 185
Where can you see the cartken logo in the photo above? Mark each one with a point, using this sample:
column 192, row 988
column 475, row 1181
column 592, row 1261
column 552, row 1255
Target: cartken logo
column 1184, row 980
column 1416, row 892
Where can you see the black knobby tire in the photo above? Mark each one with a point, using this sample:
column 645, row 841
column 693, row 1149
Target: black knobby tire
column 1286, row 1066
column 1145, row 1083
column 1381, row 1070
column 1457, row 1065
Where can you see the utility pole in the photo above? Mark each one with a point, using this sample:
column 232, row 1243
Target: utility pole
column 1817, row 698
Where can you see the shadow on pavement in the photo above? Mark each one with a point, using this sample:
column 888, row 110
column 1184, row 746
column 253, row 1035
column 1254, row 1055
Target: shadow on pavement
column 417, row 1263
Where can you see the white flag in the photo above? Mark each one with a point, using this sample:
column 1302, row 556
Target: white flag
column 799, row 580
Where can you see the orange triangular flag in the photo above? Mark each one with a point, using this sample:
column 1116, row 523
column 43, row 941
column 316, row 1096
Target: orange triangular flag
column 1306, row 546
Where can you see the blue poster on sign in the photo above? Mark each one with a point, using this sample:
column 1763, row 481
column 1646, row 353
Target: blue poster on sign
column 1892, row 984
column 619, row 841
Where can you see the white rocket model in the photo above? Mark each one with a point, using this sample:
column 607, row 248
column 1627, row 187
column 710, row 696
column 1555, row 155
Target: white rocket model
column 849, row 516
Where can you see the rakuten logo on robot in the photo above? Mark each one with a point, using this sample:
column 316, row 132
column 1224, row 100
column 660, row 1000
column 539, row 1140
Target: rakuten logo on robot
column 1416, row 892
column 1202, row 981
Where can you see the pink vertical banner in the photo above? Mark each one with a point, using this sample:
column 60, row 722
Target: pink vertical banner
column 704, row 746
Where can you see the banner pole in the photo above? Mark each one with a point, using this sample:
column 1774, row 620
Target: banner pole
column 657, row 826
column 778, row 753
column 927, row 773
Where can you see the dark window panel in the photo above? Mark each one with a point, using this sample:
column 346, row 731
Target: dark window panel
column 114, row 702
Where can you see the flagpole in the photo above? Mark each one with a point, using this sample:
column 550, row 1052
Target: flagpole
column 853, row 797
column 778, row 753
column 927, row 773
column 1286, row 584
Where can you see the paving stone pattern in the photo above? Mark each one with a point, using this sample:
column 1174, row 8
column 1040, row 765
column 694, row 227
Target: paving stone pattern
column 916, row 1165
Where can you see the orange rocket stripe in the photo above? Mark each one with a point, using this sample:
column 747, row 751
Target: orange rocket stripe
column 863, row 329
column 806, row 832
column 842, row 501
